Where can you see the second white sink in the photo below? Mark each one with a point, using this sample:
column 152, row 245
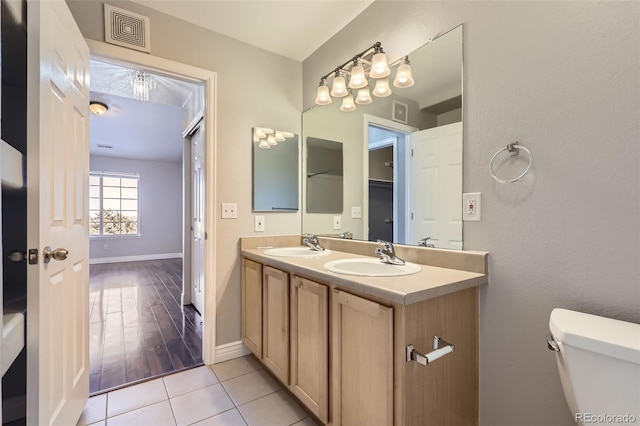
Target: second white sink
column 371, row 268
column 301, row 251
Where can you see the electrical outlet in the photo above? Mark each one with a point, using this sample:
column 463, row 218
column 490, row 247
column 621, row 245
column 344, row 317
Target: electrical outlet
column 337, row 222
column 356, row 212
column 229, row 211
column 258, row 223
column 471, row 206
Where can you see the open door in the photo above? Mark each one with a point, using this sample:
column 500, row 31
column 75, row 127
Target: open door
column 198, row 234
column 436, row 169
column 57, row 220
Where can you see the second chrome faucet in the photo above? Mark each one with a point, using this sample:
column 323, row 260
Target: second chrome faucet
column 312, row 242
column 388, row 254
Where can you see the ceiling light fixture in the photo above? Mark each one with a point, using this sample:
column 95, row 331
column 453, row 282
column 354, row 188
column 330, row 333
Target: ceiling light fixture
column 142, row 82
column 98, row 108
column 371, row 63
column 266, row 138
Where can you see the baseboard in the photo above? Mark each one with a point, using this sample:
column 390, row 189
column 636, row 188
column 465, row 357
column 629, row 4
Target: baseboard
column 119, row 259
column 230, row 351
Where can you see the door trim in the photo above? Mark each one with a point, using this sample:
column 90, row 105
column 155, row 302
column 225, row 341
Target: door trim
column 182, row 71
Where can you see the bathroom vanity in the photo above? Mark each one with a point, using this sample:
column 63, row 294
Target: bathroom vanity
column 341, row 343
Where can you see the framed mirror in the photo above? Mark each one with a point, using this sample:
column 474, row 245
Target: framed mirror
column 275, row 170
column 402, row 155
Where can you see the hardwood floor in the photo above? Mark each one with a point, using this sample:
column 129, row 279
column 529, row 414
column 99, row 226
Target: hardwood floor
column 138, row 327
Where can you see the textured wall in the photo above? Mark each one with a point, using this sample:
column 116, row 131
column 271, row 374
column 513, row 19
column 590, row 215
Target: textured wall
column 243, row 71
column 160, row 207
column 562, row 78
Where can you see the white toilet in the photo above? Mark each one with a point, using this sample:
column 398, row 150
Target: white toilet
column 599, row 364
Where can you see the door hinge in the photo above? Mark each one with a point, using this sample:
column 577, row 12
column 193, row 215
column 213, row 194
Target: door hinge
column 205, row 235
column 33, row 256
column 412, row 152
column 411, row 215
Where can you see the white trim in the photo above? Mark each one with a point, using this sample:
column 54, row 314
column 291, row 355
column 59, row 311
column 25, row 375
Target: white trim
column 391, row 125
column 137, row 258
column 186, row 72
column 231, row 351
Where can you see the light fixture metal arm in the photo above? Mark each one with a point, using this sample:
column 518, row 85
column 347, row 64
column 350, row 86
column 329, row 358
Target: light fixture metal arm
column 376, row 45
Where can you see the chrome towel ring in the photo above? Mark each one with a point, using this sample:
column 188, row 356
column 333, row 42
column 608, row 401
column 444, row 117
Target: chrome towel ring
column 514, row 149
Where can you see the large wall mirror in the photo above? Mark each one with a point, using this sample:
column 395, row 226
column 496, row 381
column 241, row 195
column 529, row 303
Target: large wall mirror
column 402, row 155
column 275, row 171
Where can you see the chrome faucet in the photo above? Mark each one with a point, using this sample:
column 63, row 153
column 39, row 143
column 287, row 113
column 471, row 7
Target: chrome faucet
column 425, row 242
column 346, row 235
column 312, row 242
column 388, row 254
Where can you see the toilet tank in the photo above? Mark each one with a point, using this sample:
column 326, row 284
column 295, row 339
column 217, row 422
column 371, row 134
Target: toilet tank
column 599, row 366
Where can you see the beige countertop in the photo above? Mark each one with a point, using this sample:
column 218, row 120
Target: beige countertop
column 430, row 282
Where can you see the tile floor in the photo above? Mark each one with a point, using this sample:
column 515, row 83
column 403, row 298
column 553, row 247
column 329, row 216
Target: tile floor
column 233, row 393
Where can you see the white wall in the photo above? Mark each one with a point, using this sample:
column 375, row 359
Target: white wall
column 243, row 71
column 160, row 204
column 561, row 78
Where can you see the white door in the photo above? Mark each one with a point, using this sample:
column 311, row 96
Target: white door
column 197, row 219
column 57, row 185
column 436, row 186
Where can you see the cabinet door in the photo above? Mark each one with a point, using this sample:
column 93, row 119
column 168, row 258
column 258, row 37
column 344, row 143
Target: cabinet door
column 252, row 306
column 362, row 361
column 275, row 322
column 310, row 345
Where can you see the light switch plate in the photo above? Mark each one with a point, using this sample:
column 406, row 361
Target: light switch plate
column 258, row 223
column 337, row 222
column 229, row 210
column 356, row 212
column 471, row 203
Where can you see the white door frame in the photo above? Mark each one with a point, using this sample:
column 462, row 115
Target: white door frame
column 122, row 56
column 390, row 125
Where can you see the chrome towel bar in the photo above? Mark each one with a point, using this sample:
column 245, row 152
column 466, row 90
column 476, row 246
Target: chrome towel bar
column 437, row 353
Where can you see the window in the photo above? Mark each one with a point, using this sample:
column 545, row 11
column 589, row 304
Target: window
column 113, row 204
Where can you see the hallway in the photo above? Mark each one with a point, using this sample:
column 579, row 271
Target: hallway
column 138, row 328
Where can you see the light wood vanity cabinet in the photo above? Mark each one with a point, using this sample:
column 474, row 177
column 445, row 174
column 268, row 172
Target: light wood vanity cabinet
column 275, row 322
column 344, row 355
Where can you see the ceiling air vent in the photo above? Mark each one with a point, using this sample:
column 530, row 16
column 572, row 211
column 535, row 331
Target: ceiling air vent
column 126, row 29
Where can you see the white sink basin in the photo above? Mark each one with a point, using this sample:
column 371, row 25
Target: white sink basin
column 12, row 339
column 371, row 268
column 301, row 251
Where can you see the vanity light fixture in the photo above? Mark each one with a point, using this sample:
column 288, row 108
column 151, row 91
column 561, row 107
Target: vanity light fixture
column 141, row 82
column 266, row 138
column 371, row 63
column 98, row 108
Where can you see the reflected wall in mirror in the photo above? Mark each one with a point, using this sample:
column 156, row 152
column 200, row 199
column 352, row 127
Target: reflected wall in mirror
column 324, row 176
column 275, row 170
column 408, row 199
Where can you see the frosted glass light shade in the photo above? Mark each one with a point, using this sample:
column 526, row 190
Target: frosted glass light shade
column 347, row 103
column 339, row 88
column 323, row 97
column 260, row 133
column 279, row 136
column 264, row 144
column 403, row 76
column 364, row 96
column 379, row 66
column 287, row 134
column 271, row 140
column 382, row 88
column 358, row 79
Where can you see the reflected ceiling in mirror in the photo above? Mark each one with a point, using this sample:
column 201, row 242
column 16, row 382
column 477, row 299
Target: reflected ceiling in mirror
column 378, row 140
column 275, row 170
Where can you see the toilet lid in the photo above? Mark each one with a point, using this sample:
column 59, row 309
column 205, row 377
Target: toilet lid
column 610, row 337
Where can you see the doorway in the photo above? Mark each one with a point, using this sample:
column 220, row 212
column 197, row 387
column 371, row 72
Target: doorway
column 146, row 210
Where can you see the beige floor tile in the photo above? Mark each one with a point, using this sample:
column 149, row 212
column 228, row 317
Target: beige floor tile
column 190, row 380
column 201, row 404
column 248, row 387
column 228, row 418
column 235, row 367
column 277, row 409
column 152, row 415
column 100, row 423
column 134, row 397
column 94, row 410
column 306, row 422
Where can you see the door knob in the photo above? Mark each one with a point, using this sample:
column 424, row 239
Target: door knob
column 57, row 254
column 17, row 256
